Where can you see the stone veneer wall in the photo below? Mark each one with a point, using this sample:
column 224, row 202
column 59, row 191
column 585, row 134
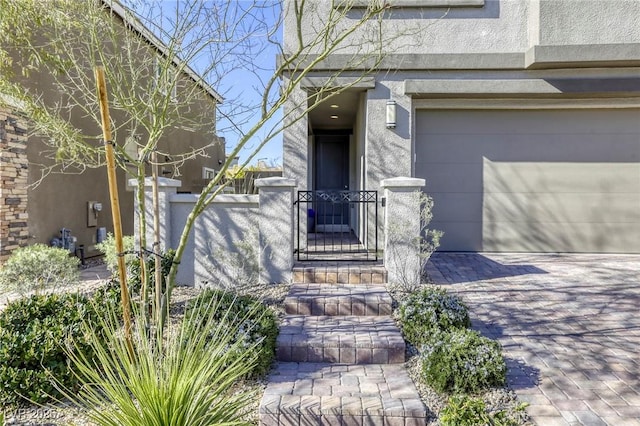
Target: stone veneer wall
column 14, row 169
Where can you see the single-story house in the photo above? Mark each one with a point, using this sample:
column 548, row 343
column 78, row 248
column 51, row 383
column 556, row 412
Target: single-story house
column 523, row 117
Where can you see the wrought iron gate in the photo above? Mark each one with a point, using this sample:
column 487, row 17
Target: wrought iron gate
column 337, row 225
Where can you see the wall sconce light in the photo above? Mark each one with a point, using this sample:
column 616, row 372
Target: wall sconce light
column 391, row 114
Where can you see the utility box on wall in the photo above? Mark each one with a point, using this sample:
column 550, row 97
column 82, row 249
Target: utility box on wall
column 101, row 235
column 93, row 208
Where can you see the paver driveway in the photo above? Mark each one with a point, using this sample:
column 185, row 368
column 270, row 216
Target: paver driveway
column 569, row 326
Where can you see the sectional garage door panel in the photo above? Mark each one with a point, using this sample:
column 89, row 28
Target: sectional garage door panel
column 533, row 181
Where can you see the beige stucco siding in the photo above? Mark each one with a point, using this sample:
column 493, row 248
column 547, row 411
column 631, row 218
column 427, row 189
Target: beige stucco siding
column 60, row 199
column 531, row 180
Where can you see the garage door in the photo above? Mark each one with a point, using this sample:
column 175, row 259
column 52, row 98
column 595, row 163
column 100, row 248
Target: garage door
column 532, row 181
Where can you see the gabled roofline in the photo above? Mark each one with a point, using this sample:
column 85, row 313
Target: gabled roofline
column 129, row 19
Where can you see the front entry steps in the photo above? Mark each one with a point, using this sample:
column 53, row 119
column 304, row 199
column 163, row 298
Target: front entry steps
column 342, row 339
column 340, row 361
column 336, row 273
column 338, row 299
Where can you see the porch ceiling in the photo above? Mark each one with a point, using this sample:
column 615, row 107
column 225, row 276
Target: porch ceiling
column 342, row 107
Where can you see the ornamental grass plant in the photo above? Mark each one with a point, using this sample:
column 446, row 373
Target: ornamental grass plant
column 254, row 324
column 185, row 377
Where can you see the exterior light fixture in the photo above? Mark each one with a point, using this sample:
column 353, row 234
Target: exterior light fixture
column 335, row 106
column 334, row 117
column 391, row 114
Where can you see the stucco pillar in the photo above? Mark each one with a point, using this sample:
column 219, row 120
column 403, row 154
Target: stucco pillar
column 166, row 187
column 295, row 138
column 276, row 228
column 402, row 229
column 382, row 143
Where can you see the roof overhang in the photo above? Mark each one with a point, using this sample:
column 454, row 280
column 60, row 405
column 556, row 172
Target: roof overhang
column 583, row 56
column 517, row 88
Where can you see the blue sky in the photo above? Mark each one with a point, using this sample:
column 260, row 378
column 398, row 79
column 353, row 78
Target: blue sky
column 238, row 85
column 244, row 84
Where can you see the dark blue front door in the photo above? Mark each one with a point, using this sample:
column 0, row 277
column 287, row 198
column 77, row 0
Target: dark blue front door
column 331, row 177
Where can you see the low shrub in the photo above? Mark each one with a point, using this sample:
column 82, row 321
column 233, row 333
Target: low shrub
column 464, row 410
column 425, row 313
column 255, row 324
column 108, row 248
column 33, row 334
column 37, row 268
column 132, row 262
column 462, row 361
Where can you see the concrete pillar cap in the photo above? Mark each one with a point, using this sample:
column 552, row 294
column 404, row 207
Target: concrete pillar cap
column 275, row 181
column 402, row 182
column 163, row 182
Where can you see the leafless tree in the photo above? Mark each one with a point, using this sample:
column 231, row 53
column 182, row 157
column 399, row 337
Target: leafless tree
column 66, row 38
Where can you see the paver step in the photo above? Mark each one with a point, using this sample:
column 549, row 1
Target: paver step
column 342, row 339
column 337, row 299
column 335, row 394
column 339, row 274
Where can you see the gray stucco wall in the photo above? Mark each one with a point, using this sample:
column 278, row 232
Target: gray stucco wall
column 589, row 22
column 499, row 26
column 226, row 245
column 238, row 240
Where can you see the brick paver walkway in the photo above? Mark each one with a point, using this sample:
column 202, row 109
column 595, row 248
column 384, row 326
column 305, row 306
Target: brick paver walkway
column 569, row 326
column 341, row 360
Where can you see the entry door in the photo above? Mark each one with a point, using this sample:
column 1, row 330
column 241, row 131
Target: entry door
column 331, row 176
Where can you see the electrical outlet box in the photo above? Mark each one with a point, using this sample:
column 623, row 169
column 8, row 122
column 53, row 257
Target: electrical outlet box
column 92, row 214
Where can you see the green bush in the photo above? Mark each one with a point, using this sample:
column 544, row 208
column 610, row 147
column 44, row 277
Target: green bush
column 39, row 267
column 33, row 333
column 108, row 298
column 255, row 324
column 462, row 361
column 425, row 313
column 463, row 410
column 132, row 262
column 108, row 248
column 134, row 271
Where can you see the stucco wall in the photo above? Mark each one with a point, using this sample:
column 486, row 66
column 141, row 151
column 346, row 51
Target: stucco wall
column 226, row 249
column 589, row 22
column 60, row 199
column 237, row 240
column 498, row 26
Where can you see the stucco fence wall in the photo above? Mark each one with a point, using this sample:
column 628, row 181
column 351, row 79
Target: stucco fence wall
column 248, row 239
